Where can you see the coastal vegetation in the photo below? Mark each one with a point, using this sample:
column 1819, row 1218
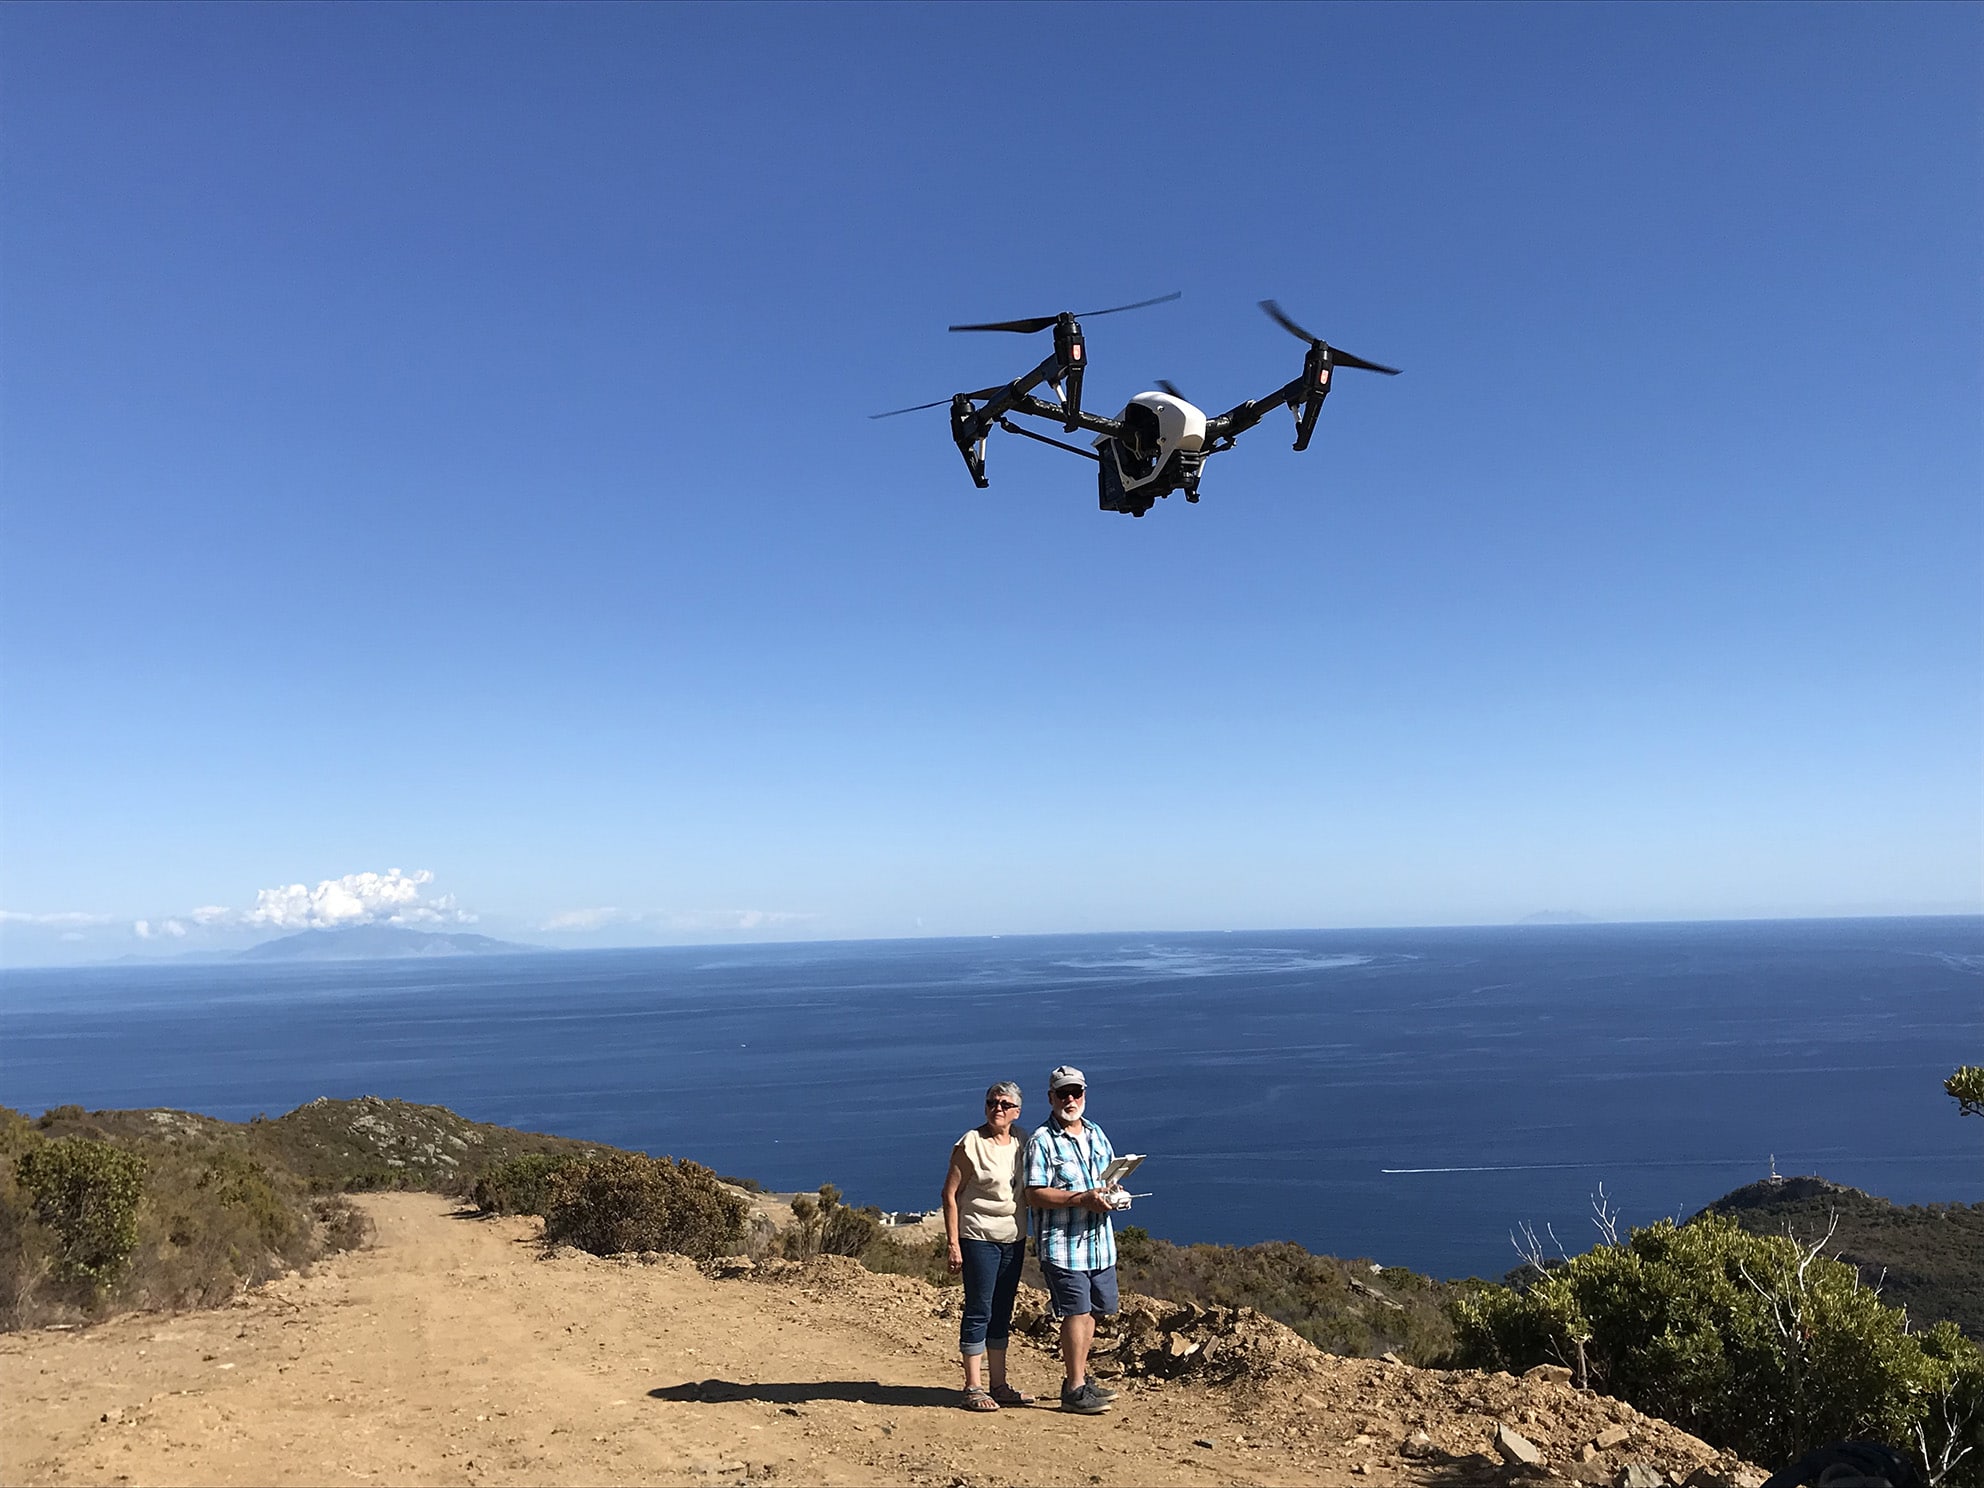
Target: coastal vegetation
column 1966, row 1088
column 615, row 1202
column 1759, row 1343
column 1791, row 1312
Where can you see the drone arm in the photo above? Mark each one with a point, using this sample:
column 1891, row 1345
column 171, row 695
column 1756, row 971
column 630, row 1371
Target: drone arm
column 1040, row 408
column 1237, row 421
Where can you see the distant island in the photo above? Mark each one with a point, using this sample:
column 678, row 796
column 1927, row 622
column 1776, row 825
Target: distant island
column 378, row 943
column 1557, row 917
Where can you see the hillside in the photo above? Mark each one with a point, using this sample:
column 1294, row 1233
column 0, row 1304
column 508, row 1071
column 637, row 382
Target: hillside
column 450, row 1352
column 1926, row 1258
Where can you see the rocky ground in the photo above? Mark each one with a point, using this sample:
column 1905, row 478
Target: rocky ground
column 455, row 1351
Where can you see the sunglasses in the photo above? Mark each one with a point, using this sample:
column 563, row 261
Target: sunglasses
column 1075, row 1092
column 1002, row 1105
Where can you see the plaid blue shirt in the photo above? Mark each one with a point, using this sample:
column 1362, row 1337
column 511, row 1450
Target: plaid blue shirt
column 1073, row 1239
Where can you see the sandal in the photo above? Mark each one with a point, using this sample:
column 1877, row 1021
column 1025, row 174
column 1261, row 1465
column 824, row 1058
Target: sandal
column 978, row 1399
column 1007, row 1395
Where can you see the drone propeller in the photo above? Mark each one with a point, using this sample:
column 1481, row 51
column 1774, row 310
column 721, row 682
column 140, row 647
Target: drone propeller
column 913, row 408
column 940, row 403
column 1337, row 358
column 1165, row 384
column 1042, row 322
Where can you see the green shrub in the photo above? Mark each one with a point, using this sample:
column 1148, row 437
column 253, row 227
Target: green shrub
column 518, row 1185
column 624, row 1201
column 86, row 1193
column 1752, row 1342
column 1966, row 1088
column 827, row 1226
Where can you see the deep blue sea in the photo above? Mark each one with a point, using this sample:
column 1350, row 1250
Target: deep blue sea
column 1404, row 1095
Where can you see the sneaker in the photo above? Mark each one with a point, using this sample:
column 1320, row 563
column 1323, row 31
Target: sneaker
column 1083, row 1400
column 1102, row 1390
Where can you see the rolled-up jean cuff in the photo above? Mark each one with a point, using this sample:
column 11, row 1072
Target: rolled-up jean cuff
column 991, row 1278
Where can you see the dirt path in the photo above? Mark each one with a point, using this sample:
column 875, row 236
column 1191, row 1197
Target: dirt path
column 451, row 1352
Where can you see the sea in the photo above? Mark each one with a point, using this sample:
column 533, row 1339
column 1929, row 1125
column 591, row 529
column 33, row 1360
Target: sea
column 1406, row 1096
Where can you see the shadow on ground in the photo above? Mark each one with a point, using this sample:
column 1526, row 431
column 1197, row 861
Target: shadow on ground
column 860, row 1392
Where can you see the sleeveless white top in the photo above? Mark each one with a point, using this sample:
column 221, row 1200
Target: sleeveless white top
column 988, row 1198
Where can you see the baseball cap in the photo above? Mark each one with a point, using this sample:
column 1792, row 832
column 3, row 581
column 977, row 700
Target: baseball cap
column 1065, row 1074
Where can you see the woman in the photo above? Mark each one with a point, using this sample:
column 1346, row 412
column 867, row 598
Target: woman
column 982, row 1220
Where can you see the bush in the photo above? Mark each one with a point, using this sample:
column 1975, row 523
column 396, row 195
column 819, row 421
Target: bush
column 518, row 1186
column 826, row 1226
column 625, row 1201
column 86, row 1193
column 1966, row 1088
column 1752, row 1342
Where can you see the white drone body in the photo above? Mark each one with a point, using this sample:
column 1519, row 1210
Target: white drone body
column 1162, row 443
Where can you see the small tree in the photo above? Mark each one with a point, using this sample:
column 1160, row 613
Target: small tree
column 87, row 1194
column 1966, row 1087
column 827, row 1226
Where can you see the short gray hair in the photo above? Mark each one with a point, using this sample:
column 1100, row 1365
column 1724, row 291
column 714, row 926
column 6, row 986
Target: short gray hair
column 1004, row 1087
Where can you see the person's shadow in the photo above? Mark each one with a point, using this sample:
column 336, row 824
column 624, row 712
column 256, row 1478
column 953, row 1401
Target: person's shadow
column 860, row 1392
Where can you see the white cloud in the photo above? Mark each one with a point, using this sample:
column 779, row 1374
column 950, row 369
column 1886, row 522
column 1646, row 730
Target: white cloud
column 389, row 898
column 72, row 919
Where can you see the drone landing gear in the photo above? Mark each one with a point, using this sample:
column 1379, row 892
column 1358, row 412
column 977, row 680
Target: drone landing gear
column 970, row 436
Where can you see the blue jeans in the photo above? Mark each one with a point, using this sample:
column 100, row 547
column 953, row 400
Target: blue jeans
column 991, row 1281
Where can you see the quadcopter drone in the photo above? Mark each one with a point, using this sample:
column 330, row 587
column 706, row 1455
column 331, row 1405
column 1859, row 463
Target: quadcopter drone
column 1160, row 441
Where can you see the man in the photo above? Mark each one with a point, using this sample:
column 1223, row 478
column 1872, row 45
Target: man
column 1075, row 1236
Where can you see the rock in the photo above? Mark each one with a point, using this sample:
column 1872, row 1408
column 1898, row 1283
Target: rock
column 1518, row 1450
column 1748, row 1477
column 1588, row 1451
column 1419, row 1444
column 1554, row 1374
column 1595, row 1474
column 1391, row 1358
column 1639, row 1475
column 1612, row 1436
column 1180, row 1347
column 1708, row 1477
column 1204, row 1441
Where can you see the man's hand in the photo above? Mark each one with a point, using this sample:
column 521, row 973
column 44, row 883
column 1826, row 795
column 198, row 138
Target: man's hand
column 1092, row 1200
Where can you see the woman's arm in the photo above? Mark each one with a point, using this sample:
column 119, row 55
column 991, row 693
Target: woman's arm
column 953, row 1180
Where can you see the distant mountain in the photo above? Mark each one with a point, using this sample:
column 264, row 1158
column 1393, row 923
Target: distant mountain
column 1557, row 917
column 377, row 943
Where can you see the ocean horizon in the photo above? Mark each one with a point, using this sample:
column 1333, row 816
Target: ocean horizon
column 1406, row 1095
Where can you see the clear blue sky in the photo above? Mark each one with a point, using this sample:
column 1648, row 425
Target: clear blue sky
column 435, row 439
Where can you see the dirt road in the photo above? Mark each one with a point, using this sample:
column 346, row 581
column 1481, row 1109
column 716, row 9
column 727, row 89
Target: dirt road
column 452, row 1352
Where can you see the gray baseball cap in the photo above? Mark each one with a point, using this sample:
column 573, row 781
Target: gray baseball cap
column 1065, row 1074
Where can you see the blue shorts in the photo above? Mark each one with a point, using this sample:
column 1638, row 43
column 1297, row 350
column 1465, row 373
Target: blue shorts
column 1077, row 1292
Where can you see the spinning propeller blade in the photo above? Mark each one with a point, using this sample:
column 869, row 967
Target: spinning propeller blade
column 1042, row 322
column 913, row 408
column 940, row 403
column 1337, row 358
column 1167, row 385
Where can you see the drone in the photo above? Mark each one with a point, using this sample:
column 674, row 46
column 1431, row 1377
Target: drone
column 1159, row 443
